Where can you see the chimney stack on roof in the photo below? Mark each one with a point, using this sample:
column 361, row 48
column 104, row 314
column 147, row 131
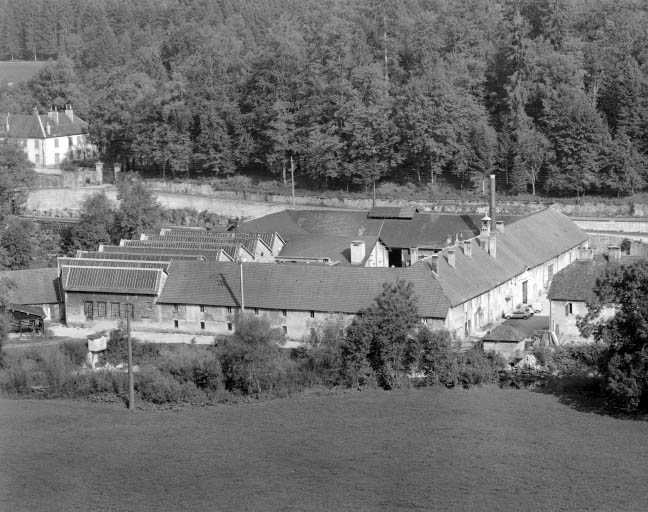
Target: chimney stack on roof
column 492, row 245
column 68, row 112
column 357, row 252
column 451, row 258
column 467, row 249
column 434, row 263
column 448, row 240
column 484, row 232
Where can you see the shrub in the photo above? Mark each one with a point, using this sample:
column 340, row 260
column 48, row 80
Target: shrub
column 476, row 368
column 76, row 351
column 154, row 386
column 198, row 365
column 117, row 349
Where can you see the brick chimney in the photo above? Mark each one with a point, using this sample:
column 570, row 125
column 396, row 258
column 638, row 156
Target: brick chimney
column 451, row 258
column 448, row 240
column 492, row 245
column 357, row 252
column 69, row 113
column 434, row 263
column 467, row 249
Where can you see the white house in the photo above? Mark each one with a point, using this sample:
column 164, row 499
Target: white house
column 49, row 139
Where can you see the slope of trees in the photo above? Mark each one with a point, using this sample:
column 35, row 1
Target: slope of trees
column 551, row 95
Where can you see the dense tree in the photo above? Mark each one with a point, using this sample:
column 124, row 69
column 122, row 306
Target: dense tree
column 16, row 176
column 377, row 340
column 96, row 223
column 16, row 247
column 626, row 333
column 138, row 211
column 550, row 94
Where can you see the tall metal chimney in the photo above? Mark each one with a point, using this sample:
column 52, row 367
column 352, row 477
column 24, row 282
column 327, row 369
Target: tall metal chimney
column 491, row 210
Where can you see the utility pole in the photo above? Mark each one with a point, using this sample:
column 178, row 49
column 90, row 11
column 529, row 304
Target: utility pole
column 292, row 178
column 373, row 201
column 131, row 384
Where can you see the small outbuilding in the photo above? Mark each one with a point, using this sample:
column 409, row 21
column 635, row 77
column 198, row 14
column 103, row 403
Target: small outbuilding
column 506, row 341
column 97, row 343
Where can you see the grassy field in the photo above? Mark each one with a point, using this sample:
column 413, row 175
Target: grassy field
column 481, row 450
column 18, row 71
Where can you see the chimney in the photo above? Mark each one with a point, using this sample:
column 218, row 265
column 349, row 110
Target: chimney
column 434, row 263
column 492, row 246
column 448, row 240
column 614, row 252
column 499, row 226
column 484, row 232
column 451, row 258
column 467, row 248
column 491, row 210
column 69, row 113
column 357, row 252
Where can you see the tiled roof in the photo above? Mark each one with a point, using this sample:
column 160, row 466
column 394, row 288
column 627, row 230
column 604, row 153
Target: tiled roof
column 422, row 230
column 28, row 310
column 336, row 248
column 141, row 281
column 34, row 286
column 505, row 333
column 230, row 249
column 528, row 242
column 31, row 126
column 576, row 281
column 135, row 256
column 250, row 243
column 296, row 287
column 206, row 236
column 104, row 262
column 161, row 252
column 392, row 212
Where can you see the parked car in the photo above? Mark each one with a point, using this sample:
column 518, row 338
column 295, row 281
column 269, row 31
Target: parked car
column 522, row 311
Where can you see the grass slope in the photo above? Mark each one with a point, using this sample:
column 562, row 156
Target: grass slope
column 478, row 450
column 14, row 72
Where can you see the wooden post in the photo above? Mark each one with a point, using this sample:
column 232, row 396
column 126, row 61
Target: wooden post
column 292, row 178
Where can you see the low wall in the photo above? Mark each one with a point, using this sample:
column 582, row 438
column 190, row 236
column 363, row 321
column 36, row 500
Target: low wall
column 240, row 204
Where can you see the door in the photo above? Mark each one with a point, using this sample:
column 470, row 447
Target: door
column 525, row 296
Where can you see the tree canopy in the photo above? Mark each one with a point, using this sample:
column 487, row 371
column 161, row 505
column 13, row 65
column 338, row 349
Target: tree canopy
column 550, row 95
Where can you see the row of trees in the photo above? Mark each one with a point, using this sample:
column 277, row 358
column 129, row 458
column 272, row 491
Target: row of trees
column 552, row 95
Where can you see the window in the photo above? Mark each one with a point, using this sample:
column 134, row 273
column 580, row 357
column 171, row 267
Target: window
column 130, row 309
column 36, row 144
column 114, row 307
column 285, row 329
column 37, row 157
column 202, row 326
column 56, row 143
column 312, row 314
column 70, row 143
column 89, row 310
column 101, row 309
column 57, row 158
column 229, row 326
column 256, row 311
column 149, row 306
column 202, row 309
column 568, row 309
column 229, row 310
column 175, row 324
column 550, row 272
column 284, row 313
column 175, row 308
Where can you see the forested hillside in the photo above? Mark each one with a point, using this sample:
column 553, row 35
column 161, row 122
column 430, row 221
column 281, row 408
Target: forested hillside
column 551, row 95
